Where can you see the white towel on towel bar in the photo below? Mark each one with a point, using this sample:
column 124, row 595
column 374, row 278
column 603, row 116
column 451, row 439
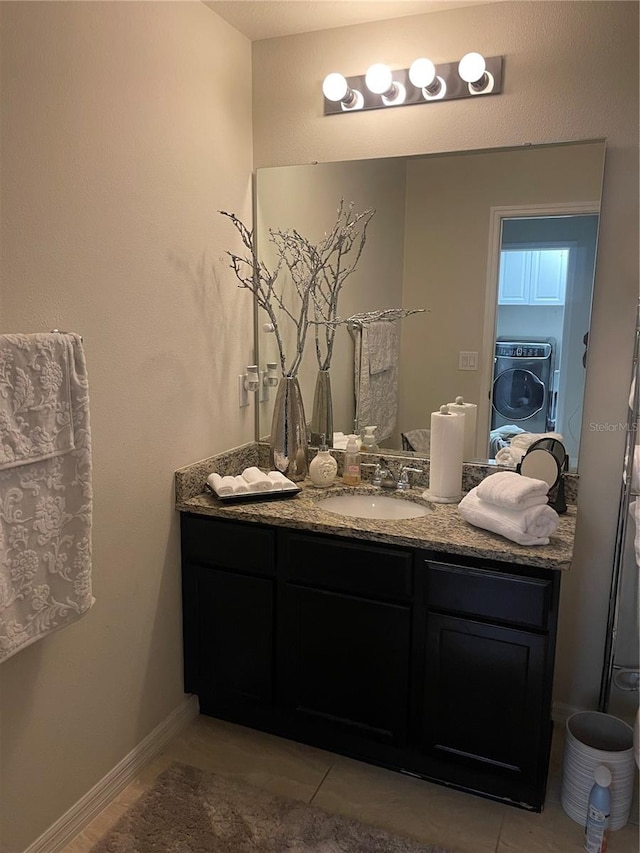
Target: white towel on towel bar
column 45, row 487
column 377, row 386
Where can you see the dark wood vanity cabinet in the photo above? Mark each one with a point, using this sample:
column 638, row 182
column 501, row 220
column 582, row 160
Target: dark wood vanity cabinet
column 435, row 665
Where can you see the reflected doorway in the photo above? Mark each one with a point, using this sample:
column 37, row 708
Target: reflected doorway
column 545, row 272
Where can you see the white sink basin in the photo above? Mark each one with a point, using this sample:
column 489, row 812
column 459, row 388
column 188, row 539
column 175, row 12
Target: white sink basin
column 373, row 506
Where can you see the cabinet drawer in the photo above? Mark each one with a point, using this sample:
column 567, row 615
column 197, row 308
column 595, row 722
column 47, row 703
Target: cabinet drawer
column 489, row 595
column 229, row 545
column 346, row 567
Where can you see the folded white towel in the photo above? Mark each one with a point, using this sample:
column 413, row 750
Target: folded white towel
column 279, row 481
column 513, row 491
column 531, row 526
column 257, row 480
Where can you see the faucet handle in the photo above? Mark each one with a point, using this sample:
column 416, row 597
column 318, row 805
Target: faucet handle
column 376, row 480
column 404, row 480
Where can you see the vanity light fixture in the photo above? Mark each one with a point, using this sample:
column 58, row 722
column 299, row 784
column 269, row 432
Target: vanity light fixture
column 422, row 83
column 422, row 75
column 379, row 80
column 473, row 70
column 336, row 89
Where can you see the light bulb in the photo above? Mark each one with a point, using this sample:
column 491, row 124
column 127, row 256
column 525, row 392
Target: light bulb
column 335, row 87
column 422, row 73
column 472, row 67
column 378, row 78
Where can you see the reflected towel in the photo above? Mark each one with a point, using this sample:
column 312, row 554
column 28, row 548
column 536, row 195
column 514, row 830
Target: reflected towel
column 531, row 526
column 513, row 491
column 514, row 453
column 377, row 389
column 45, row 487
column 383, row 346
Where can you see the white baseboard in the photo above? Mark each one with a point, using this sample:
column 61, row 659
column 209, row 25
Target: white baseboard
column 94, row 801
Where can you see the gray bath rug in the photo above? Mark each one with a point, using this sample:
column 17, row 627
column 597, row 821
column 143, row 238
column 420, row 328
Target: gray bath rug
column 190, row 811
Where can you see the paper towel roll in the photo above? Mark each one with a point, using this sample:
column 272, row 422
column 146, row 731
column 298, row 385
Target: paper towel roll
column 470, row 412
column 445, row 455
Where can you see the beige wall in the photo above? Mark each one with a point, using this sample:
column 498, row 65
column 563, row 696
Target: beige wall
column 548, row 97
column 307, row 198
column 449, row 201
column 125, row 126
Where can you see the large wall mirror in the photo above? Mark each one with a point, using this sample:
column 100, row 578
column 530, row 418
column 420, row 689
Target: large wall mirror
column 499, row 246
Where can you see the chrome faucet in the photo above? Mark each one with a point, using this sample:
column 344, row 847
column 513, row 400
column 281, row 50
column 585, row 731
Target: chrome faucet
column 384, row 478
column 404, row 480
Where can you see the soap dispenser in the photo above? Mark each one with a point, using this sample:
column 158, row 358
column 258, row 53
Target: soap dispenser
column 323, row 467
column 351, row 474
column 369, row 444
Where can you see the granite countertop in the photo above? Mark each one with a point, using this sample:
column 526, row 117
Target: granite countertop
column 443, row 529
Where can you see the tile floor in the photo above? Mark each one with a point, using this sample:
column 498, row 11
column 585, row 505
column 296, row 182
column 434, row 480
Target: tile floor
column 401, row 804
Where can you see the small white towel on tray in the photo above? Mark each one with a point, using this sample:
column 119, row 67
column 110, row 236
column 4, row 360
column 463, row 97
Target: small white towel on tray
column 513, row 491
column 279, row 481
column 228, row 486
column 222, row 486
column 531, row 526
column 257, row 480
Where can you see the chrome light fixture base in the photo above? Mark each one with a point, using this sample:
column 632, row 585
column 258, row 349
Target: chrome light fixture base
column 453, row 87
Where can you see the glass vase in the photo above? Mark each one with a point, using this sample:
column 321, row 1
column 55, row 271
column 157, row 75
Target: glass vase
column 322, row 414
column 289, row 436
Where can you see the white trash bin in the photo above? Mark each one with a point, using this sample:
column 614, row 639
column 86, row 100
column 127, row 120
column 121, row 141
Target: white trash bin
column 592, row 739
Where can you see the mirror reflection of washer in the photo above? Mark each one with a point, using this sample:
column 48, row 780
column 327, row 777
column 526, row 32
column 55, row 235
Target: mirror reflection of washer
column 522, row 385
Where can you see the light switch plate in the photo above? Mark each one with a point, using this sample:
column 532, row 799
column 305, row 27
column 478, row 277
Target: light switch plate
column 467, row 361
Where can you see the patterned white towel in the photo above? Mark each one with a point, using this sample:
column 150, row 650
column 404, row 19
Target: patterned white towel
column 377, row 392
column 45, row 487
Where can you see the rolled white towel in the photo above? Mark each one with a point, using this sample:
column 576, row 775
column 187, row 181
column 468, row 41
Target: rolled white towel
column 257, row 480
column 531, row 526
column 280, row 481
column 276, row 481
column 513, row 491
column 222, row 486
column 241, row 485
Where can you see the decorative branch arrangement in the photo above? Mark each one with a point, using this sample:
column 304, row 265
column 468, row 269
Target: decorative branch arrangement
column 331, row 258
column 386, row 314
column 318, row 272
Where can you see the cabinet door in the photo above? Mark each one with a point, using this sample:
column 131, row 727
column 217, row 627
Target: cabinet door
column 483, row 695
column 514, row 278
column 548, row 277
column 346, row 663
column 235, row 640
